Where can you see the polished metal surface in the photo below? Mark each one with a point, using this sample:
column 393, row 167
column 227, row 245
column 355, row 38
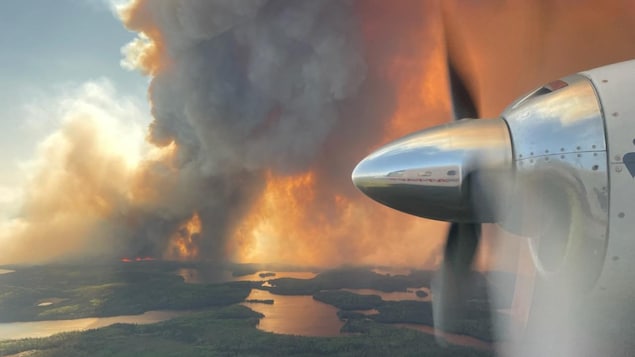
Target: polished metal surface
column 431, row 173
column 551, row 123
column 561, row 195
column 615, row 85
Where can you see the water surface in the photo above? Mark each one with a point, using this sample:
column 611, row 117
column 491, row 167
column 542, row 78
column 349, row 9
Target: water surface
column 295, row 315
column 16, row 330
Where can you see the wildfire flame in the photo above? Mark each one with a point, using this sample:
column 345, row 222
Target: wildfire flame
column 279, row 208
column 299, row 220
column 184, row 243
column 225, row 169
column 296, row 222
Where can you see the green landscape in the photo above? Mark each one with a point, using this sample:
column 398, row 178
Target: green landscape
column 214, row 322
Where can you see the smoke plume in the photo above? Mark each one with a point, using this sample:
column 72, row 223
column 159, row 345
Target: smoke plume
column 260, row 111
column 256, row 95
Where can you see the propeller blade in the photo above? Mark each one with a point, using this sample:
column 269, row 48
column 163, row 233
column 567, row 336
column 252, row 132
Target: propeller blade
column 462, row 101
column 455, row 277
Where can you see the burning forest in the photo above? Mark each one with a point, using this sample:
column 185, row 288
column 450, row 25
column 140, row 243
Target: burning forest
column 260, row 110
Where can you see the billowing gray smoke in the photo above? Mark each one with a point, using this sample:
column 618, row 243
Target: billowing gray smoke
column 241, row 91
column 247, row 86
column 259, row 87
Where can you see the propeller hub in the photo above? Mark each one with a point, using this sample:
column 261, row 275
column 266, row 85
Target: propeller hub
column 438, row 173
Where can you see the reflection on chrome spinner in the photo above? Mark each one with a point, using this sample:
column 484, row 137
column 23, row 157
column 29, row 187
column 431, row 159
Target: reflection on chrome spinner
column 427, row 174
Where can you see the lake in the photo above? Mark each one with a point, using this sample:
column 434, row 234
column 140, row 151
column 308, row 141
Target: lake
column 302, row 315
column 295, row 315
column 15, row 330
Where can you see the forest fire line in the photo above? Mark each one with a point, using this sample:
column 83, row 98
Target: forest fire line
column 184, row 243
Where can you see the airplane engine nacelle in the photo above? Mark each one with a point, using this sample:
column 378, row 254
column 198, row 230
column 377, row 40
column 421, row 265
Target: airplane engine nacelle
column 614, row 87
column 560, row 196
column 557, row 166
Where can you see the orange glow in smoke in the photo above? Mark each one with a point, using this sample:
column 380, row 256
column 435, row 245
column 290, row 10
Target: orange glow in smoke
column 299, row 221
column 295, row 222
column 422, row 86
column 184, row 243
column 152, row 54
column 411, row 57
column 279, row 208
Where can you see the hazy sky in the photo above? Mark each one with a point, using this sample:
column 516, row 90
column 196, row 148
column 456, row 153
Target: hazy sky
column 49, row 49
